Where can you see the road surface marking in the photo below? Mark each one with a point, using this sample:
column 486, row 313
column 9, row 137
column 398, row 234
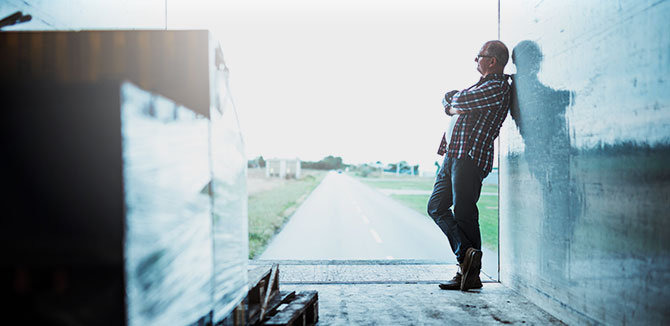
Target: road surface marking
column 365, row 219
column 376, row 236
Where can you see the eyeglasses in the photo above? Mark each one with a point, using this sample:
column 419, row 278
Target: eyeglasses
column 482, row 56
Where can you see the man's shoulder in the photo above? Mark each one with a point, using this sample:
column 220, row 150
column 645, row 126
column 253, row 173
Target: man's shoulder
column 497, row 82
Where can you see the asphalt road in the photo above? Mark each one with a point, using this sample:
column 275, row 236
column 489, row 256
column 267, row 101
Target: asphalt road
column 344, row 219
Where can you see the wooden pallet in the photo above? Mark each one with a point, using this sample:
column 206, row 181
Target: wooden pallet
column 263, row 289
column 266, row 305
column 301, row 309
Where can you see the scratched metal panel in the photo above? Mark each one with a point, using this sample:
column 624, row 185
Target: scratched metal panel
column 86, row 14
column 229, row 196
column 168, row 240
column 172, row 63
column 187, row 67
column 584, row 178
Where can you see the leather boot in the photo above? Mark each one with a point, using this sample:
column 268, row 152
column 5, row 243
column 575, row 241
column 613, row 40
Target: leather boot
column 454, row 283
column 473, row 282
column 467, row 260
column 470, row 279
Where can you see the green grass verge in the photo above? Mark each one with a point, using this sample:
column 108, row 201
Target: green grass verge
column 487, row 204
column 400, row 183
column 488, row 220
column 269, row 210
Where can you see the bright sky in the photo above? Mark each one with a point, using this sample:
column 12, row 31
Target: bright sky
column 352, row 78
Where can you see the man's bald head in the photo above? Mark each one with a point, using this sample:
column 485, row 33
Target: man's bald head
column 498, row 50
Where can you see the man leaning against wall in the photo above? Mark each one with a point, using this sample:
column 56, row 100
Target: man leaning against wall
column 477, row 114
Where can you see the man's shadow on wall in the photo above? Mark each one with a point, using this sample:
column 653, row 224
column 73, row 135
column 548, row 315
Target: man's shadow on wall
column 539, row 114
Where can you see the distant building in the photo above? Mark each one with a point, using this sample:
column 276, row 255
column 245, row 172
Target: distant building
column 282, row 168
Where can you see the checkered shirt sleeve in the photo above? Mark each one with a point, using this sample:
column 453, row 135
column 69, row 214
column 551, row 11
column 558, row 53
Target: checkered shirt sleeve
column 483, row 107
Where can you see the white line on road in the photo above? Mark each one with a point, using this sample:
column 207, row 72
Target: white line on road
column 376, row 236
column 365, row 219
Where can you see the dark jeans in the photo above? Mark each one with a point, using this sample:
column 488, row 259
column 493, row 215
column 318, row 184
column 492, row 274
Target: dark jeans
column 458, row 184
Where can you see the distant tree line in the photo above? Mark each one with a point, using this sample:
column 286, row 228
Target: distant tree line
column 335, row 163
column 402, row 167
column 327, row 163
column 258, row 162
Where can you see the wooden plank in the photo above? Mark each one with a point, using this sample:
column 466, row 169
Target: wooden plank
column 275, row 301
column 282, row 298
column 301, row 311
column 274, row 278
column 312, row 313
column 262, row 290
column 258, row 273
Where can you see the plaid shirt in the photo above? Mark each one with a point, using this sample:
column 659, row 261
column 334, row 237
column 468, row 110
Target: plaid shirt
column 485, row 107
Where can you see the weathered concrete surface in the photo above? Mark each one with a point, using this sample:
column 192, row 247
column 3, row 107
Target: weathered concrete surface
column 584, row 177
column 422, row 304
column 403, row 293
column 364, row 271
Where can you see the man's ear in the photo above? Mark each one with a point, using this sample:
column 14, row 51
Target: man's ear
column 494, row 61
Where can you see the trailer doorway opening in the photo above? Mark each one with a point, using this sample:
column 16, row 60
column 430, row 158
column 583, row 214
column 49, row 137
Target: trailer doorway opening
column 360, row 81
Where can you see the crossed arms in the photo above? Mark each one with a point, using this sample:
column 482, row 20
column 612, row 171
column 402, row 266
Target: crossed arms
column 486, row 96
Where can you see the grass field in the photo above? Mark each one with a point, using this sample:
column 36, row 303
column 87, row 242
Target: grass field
column 271, row 206
column 403, row 183
column 487, row 205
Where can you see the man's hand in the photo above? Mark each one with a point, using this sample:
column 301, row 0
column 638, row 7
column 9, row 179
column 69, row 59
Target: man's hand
column 449, row 95
column 447, row 102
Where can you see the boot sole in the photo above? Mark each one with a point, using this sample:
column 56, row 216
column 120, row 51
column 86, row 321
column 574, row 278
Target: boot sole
column 475, row 257
column 448, row 287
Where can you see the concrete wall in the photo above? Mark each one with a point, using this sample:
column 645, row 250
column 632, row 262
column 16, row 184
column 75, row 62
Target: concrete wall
column 584, row 177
